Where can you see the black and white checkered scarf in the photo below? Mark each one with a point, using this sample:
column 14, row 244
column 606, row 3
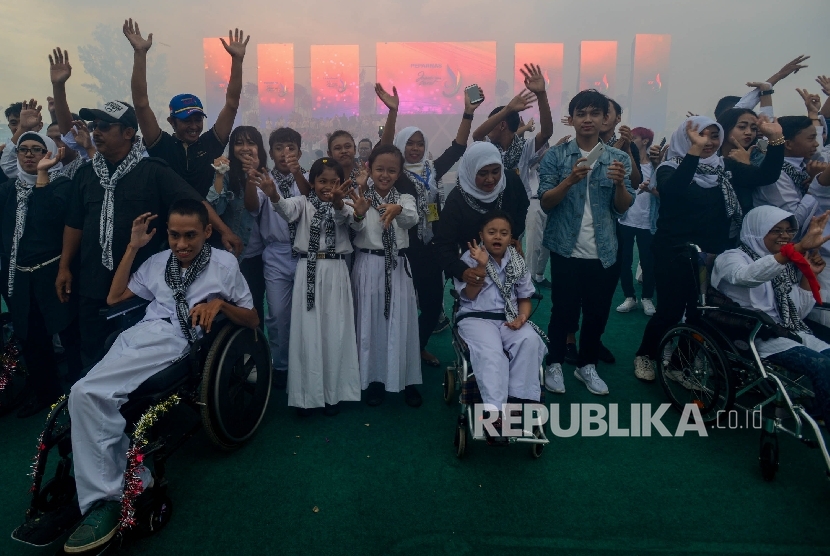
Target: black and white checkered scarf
column 390, row 242
column 284, row 184
column 173, row 278
column 323, row 220
column 782, row 285
column 516, row 268
column 801, row 179
column 510, row 157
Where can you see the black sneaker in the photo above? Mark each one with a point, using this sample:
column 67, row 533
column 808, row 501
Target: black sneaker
column 375, row 394
column 571, row 355
column 332, row 410
column 412, row 396
column 279, row 380
column 304, row 412
column 605, row 355
column 443, row 324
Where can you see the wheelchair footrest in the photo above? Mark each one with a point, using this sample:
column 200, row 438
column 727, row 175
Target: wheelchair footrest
column 49, row 527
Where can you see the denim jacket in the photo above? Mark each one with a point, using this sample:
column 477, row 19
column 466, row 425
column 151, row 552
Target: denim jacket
column 565, row 219
column 231, row 208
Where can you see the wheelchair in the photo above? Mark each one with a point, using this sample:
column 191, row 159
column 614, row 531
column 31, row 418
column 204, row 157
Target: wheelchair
column 460, row 377
column 225, row 378
column 711, row 361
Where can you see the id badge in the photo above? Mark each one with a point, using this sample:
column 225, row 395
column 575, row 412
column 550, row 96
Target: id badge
column 432, row 212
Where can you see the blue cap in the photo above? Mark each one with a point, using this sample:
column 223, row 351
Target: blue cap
column 185, row 105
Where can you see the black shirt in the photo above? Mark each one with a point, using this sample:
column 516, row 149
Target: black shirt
column 152, row 186
column 692, row 214
column 193, row 162
column 460, row 223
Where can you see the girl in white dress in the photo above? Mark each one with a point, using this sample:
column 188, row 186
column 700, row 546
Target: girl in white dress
column 322, row 350
column 387, row 314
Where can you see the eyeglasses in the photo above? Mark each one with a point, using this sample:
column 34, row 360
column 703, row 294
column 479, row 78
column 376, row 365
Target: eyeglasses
column 33, row 150
column 103, row 126
column 778, row 233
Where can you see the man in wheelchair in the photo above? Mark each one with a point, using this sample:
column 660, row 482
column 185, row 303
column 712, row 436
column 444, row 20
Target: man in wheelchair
column 187, row 285
column 763, row 274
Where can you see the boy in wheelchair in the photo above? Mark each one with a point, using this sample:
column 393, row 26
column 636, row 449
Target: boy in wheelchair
column 187, row 286
column 763, row 274
column 506, row 350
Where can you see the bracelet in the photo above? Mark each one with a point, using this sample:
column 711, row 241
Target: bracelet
column 777, row 142
column 467, row 116
column 767, row 92
column 359, row 218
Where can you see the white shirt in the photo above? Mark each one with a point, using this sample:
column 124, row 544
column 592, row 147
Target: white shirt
column 529, row 166
column 751, row 100
column 272, row 227
column 489, row 299
column 786, row 195
column 749, row 284
column 220, row 279
column 300, row 210
column 639, row 214
column 370, row 230
column 586, row 241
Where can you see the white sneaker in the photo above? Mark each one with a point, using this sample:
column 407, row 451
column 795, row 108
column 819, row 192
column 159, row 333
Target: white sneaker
column 629, row 304
column 648, row 307
column 644, row 368
column 554, row 382
column 588, row 375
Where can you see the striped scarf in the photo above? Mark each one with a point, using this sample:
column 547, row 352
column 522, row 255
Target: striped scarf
column 510, row 157
column 390, row 242
column 421, row 184
column 801, row 179
column 173, row 278
column 733, row 207
column 513, row 272
column 323, row 219
column 284, row 184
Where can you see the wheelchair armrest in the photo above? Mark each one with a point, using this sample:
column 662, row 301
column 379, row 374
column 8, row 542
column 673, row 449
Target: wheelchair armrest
column 822, row 306
column 132, row 304
column 537, row 296
column 764, row 319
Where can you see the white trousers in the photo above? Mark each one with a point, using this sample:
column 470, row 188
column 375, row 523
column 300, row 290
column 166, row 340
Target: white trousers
column 99, row 442
column 279, row 268
column 499, row 375
column 537, row 256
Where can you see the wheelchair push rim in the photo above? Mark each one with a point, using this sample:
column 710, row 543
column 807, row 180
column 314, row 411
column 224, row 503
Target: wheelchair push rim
column 693, row 370
column 234, row 398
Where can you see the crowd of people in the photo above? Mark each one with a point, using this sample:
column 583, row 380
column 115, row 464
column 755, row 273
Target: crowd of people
column 104, row 205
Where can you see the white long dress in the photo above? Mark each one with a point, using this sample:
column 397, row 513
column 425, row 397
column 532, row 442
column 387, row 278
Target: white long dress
column 322, row 349
column 388, row 349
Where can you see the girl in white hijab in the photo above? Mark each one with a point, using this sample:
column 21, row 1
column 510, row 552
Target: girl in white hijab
column 761, row 274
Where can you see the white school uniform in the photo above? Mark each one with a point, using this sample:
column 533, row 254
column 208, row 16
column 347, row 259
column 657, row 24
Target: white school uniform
column 99, row 442
column 279, row 267
column 387, row 349
column 322, row 350
column 787, row 195
column 537, row 220
column 500, row 375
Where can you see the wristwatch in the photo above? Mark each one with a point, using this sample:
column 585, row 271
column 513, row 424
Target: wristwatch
column 468, row 116
column 767, row 92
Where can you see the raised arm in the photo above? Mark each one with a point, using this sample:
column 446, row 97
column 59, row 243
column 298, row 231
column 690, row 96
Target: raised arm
column 236, row 48
column 522, row 101
column 147, row 122
column 59, row 73
column 392, row 102
column 824, row 82
column 138, row 238
column 535, row 83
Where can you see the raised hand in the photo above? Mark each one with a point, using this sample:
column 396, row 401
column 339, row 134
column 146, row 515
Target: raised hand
column 812, row 102
column 817, row 263
column 235, row 47
column 362, row 180
column 263, row 181
column 815, row 167
column 390, row 212
column 291, row 161
column 248, row 162
column 359, row 203
column 616, row 173
column 824, row 83
column 564, row 140
column 469, row 107
column 693, row 133
column 133, row 34
column 59, row 68
column 478, row 253
column 789, row 68
column 769, row 128
column 522, row 101
column 565, row 120
column 30, row 117
column 760, row 85
column 138, row 235
column 740, row 154
column 814, row 237
column 80, row 132
column 392, row 101
column 46, row 163
column 534, row 79
column 656, row 154
column 624, row 142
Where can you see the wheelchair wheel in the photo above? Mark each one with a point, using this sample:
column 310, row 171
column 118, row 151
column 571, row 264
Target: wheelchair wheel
column 156, row 516
column 768, row 458
column 536, row 449
column 449, row 384
column 694, row 370
column 460, row 440
column 236, row 385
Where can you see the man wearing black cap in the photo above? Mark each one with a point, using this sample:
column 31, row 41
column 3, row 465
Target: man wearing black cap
column 188, row 151
column 108, row 194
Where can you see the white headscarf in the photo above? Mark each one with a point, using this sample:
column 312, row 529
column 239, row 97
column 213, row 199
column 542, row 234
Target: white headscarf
column 31, row 179
column 757, row 224
column 477, row 156
column 680, row 145
column 400, row 141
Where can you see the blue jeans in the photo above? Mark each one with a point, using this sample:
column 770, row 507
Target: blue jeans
column 816, row 366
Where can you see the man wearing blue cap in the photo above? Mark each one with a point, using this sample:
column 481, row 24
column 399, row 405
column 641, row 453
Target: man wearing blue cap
column 188, row 151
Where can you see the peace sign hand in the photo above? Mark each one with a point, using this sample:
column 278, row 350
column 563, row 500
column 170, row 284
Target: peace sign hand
column 740, row 154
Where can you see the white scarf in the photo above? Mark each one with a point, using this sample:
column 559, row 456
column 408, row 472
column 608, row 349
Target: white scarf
column 477, row 156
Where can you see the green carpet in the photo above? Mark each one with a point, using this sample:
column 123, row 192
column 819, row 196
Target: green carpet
column 386, row 481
